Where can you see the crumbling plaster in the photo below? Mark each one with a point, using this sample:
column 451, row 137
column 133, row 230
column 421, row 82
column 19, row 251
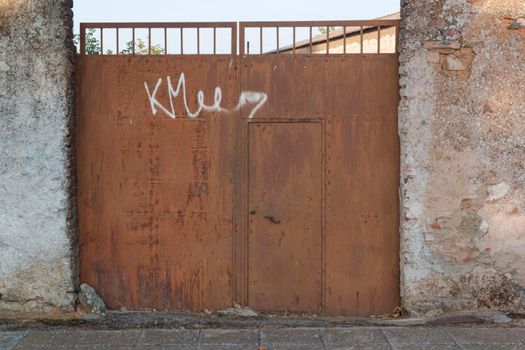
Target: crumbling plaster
column 462, row 130
column 37, row 219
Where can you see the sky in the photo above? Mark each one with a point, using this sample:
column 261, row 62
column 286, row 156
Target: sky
column 223, row 11
column 229, row 10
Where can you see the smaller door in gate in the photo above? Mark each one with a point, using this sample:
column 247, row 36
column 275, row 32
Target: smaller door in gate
column 285, row 216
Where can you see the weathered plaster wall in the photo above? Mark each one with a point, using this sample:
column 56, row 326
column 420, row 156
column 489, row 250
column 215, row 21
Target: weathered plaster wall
column 37, row 264
column 462, row 129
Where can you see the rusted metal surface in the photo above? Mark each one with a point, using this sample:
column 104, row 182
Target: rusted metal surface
column 155, row 194
column 356, row 98
column 284, row 204
column 285, row 180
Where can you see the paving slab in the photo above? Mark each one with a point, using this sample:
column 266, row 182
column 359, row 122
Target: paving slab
column 291, row 336
column 45, row 338
column 226, row 347
column 169, row 337
column 229, row 337
column 167, row 347
column 356, row 337
column 482, row 335
column 518, row 333
column 417, row 335
column 492, row 347
column 426, row 347
column 75, row 339
column 358, row 347
column 8, row 340
column 112, row 338
column 288, row 346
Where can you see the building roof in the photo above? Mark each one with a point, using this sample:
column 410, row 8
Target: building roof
column 337, row 34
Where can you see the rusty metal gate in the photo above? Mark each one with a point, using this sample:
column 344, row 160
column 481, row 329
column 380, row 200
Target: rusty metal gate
column 264, row 177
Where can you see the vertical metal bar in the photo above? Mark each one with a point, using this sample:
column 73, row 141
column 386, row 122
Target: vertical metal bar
column 165, row 40
column 234, row 40
column 133, row 39
column 361, row 39
column 378, row 39
column 82, row 39
column 327, row 40
column 248, row 47
column 261, row 40
column 396, row 49
column 277, row 33
column 214, row 40
column 344, row 40
column 198, row 41
column 310, row 40
column 242, row 44
column 181, row 41
column 293, row 40
column 101, row 41
column 118, row 48
column 149, row 41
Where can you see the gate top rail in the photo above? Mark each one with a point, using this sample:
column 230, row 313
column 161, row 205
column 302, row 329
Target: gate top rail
column 349, row 23
column 348, row 29
column 157, row 25
column 335, row 39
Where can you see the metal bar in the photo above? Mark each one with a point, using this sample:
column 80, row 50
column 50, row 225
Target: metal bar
column 344, row 40
column 248, row 47
column 234, row 39
column 242, row 44
column 101, row 41
column 277, row 34
column 158, row 24
column 133, row 39
column 293, row 40
column 362, row 40
column 214, row 40
column 149, row 41
column 165, row 41
column 198, row 41
column 310, row 40
column 261, row 39
column 396, row 50
column 327, row 40
column 118, row 48
column 82, row 39
column 358, row 23
column 378, row 39
column 182, row 41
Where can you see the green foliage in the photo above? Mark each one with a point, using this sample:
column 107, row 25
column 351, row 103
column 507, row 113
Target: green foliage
column 93, row 46
column 92, row 43
column 141, row 48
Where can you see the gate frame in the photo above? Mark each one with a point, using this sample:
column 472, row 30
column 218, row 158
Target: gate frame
column 238, row 53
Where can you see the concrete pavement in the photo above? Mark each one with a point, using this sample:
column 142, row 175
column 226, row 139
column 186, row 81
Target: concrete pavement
column 426, row 338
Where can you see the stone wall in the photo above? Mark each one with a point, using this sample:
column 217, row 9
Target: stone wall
column 462, row 129
column 37, row 219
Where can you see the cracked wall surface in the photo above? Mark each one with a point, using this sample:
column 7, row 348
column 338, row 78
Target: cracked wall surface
column 462, row 130
column 37, row 220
